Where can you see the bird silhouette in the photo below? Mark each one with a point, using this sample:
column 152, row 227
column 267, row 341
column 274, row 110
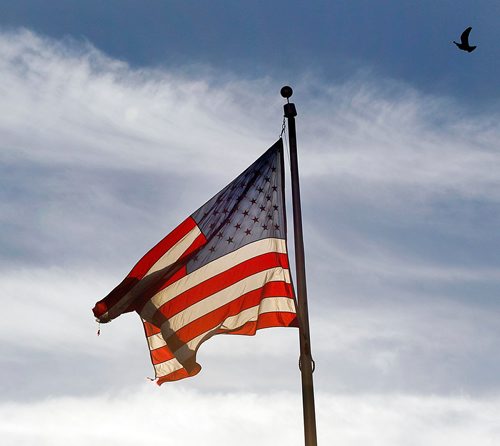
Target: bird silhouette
column 464, row 41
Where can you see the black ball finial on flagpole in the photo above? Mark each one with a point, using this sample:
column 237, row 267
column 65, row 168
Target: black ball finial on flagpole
column 289, row 107
column 286, row 92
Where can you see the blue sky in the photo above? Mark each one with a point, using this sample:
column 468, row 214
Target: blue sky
column 407, row 41
column 115, row 120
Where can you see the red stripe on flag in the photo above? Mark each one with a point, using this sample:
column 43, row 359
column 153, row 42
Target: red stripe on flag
column 216, row 317
column 139, row 302
column 150, row 329
column 178, row 374
column 266, row 320
column 236, row 306
column 198, row 243
column 155, row 253
column 161, row 354
column 220, row 281
column 142, row 267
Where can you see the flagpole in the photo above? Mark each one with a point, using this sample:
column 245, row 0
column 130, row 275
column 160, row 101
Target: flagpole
column 306, row 362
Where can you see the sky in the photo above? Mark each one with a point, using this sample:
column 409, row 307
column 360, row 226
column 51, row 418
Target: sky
column 118, row 119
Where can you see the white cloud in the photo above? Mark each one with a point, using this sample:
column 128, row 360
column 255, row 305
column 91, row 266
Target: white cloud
column 64, row 103
column 67, row 104
column 100, row 160
column 175, row 415
column 55, row 307
column 413, row 344
column 388, row 135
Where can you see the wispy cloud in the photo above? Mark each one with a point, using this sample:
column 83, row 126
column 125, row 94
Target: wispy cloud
column 388, row 135
column 400, row 193
column 72, row 105
column 65, row 103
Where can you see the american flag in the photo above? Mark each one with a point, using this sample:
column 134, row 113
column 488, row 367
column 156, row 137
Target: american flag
column 224, row 270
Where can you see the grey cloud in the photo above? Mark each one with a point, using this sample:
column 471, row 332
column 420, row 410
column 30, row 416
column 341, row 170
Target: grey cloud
column 54, row 216
column 400, row 197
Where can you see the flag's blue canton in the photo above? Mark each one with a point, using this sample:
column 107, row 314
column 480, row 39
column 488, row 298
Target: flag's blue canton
column 250, row 208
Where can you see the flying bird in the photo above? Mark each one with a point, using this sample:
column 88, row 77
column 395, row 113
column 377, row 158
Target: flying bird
column 464, row 41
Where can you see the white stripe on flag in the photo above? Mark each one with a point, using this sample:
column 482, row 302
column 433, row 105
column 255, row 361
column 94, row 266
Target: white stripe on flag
column 167, row 367
column 176, row 251
column 167, row 259
column 156, row 341
column 212, row 269
column 223, row 297
column 267, row 305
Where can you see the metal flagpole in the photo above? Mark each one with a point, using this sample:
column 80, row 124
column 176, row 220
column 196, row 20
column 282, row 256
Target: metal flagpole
column 306, row 362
